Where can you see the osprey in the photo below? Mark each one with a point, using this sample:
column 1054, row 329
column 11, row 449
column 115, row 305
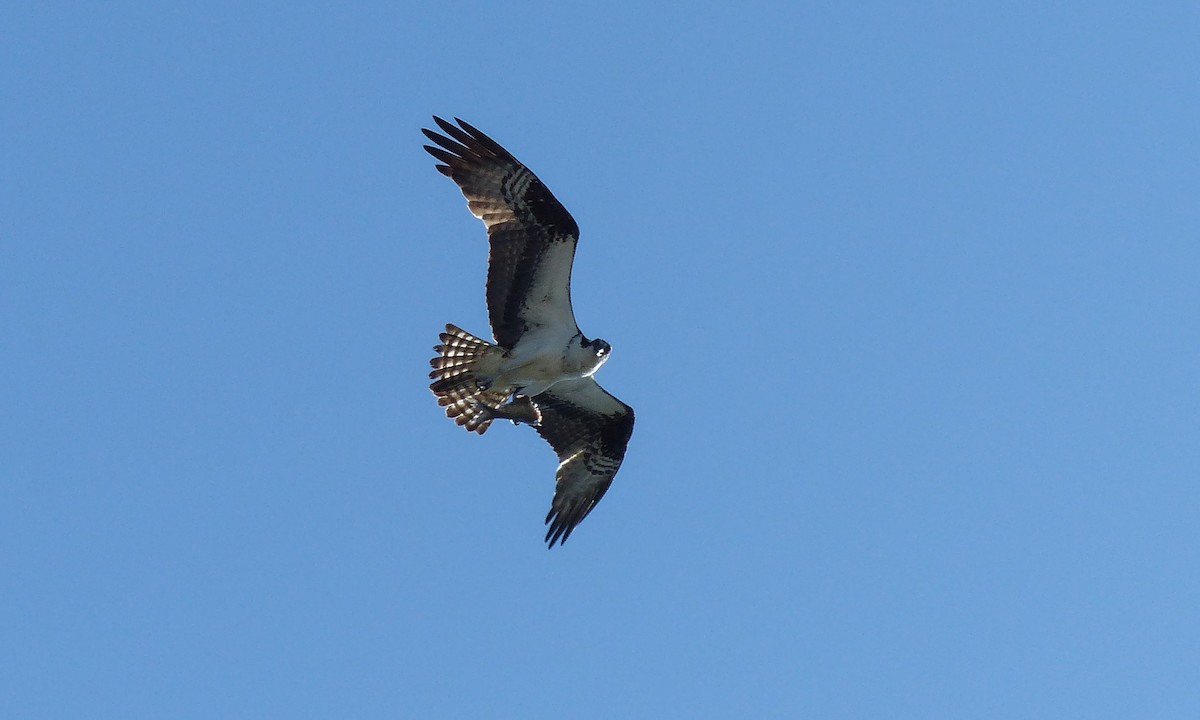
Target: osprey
column 539, row 370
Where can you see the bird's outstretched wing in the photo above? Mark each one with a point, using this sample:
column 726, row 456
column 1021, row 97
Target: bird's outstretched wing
column 532, row 235
column 589, row 429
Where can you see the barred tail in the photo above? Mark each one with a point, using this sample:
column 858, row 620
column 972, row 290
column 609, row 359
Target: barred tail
column 464, row 362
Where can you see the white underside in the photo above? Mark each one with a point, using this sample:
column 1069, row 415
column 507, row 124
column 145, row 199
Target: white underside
column 542, row 358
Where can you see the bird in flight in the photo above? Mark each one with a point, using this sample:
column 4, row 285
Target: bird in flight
column 539, row 371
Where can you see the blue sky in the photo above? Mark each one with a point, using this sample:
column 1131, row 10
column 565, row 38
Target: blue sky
column 905, row 298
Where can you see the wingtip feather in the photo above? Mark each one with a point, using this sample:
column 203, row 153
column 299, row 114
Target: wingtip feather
column 447, row 127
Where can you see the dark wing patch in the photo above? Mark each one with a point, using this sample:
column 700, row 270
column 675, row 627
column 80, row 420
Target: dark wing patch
column 589, row 429
column 532, row 235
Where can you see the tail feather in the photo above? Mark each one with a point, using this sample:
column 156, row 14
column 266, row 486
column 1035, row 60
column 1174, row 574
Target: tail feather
column 464, row 363
column 475, row 413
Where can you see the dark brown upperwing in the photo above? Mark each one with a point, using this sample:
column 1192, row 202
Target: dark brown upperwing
column 589, row 429
column 532, row 235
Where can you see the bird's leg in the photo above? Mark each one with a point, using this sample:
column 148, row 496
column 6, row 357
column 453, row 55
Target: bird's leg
column 520, row 409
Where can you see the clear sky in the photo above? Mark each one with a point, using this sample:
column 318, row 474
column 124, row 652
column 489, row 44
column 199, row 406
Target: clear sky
column 905, row 297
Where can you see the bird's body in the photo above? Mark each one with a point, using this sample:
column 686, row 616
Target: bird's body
column 539, row 369
column 541, row 359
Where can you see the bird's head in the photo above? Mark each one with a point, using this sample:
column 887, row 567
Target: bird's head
column 599, row 348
